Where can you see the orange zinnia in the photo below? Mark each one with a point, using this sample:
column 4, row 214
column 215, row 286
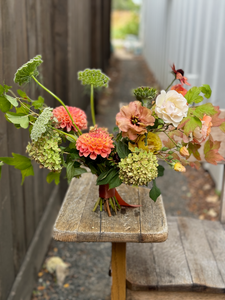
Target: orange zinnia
column 96, row 142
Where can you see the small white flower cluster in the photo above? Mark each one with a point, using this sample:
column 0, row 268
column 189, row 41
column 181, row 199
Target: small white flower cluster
column 40, row 125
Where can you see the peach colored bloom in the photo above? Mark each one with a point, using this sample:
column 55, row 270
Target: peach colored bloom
column 200, row 134
column 178, row 88
column 133, row 119
column 179, row 167
column 78, row 115
column 184, row 151
column 96, row 142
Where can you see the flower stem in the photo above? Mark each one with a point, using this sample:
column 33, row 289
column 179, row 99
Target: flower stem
column 170, row 84
column 92, row 105
column 117, row 202
column 96, row 205
column 57, row 98
column 170, row 138
column 59, row 131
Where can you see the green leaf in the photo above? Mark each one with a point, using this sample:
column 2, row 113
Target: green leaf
column 222, row 127
column 193, row 149
column 53, row 176
column 115, row 182
column 5, row 105
column 23, row 121
column 7, row 88
column 4, row 89
column 103, row 175
column 193, row 95
column 160, row 170
column 106, row 179
column 72, row 172
column 29, row 69
column 122, row 149
column 23, row 110
column 1, row 164
column 206, row 90
column 27, row 172
column 21, row 163
column 115, row 129
column 12, row 100
column 154, row 192
column 191, row 125
column 204, row 109
column 38, row 104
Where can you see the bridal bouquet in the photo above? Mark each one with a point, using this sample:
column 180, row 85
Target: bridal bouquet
column 131, row 155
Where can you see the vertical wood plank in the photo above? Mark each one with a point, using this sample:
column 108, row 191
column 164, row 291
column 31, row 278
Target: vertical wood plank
column 118, row 265
column 222, row 209
column 14, row 135
column 6, row 246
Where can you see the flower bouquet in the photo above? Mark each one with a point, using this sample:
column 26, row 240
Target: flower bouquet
column 131, row 155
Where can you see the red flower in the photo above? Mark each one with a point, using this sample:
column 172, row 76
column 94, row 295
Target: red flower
column 180, row 75
column 78, row 115
column 96, row 142
column 178, row 88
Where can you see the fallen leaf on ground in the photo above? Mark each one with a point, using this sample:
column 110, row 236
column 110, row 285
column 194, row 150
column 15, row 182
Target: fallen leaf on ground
column 55, row 249
column 40, row 274
column 201, row 217
column 41, row 288
column 212, row 213
column 212, row 199
column 66, row 285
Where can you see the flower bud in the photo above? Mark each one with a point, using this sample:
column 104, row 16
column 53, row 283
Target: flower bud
column 164, row 148
column 184, row 151
column 179, row 167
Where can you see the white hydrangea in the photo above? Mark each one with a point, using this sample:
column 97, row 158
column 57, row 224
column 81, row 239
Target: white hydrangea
column 40, row 125
column 171, row 107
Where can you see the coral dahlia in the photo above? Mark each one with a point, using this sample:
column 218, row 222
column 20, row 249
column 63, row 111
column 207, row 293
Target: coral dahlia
column 78, row 115
column 96, row 142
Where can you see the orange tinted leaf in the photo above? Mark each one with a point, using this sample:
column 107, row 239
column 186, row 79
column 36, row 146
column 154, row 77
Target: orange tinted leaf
column 193, row 149
column 169, row 144
column 176, row 156
column 216, row 121
column 195, row 164
column 222, row 126
column 213, row 157
column 41, row 288
column 183, row 122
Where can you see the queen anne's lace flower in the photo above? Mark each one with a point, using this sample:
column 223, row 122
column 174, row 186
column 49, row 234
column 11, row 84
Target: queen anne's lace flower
column 40, row 126
column 138, row 168
column 171, row 107
column 78, row 115
column 96, row 142
column 46, row 152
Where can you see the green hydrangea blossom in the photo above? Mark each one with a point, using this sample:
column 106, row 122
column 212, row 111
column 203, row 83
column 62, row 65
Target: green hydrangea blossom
column 93, row 77
column 29, row 69
column 46, row 152
column 138, row 168
column 40, row 126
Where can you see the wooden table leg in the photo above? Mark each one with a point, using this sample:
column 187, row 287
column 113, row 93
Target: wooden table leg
column 118, row 265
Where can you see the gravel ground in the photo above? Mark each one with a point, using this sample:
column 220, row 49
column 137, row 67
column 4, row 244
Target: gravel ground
column 89, row 262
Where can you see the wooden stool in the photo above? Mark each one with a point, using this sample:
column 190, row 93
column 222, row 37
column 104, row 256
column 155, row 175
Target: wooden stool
column 77, row 223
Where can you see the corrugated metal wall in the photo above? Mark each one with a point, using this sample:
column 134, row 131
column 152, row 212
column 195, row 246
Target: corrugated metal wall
column 190, row 34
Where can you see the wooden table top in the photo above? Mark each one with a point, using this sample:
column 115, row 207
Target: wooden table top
column 76, row 222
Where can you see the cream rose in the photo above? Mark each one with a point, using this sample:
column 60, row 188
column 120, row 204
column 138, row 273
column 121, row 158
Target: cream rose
column 171, row 107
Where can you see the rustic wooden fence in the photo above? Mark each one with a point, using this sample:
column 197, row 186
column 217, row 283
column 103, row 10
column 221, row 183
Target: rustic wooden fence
column 71, row 36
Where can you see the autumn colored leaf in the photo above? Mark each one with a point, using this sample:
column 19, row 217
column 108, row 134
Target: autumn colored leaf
column 41, row 288
column 169, row 144
column 216, row 121
column 195, row 164
column 183, row 122
column 176, row 156
column 176, row 133
column 211, row 149
column 193, row 149
column 222, row 127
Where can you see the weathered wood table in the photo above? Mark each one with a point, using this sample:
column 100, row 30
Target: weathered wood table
column 77, row 223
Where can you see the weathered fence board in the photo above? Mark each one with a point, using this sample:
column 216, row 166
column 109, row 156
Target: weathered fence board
column 61, row 32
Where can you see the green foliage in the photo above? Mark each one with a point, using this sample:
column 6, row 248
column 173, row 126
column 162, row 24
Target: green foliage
column 154, row 192
column 193, row 149
column 24, row 74
column 38, row 104
column 21, row 120
column 122, row 149
column 110, row 177
column 93, row 77
column 21, row 163
column 130, row 27
column 193, row 95
column 73, row 171
column 23, row 95
column 5, row 105
column 204, row 109
column 53, row 176
column 40, row 126
column 160, row 170
column 124, row 5
column 4, row 89
column 189, row 123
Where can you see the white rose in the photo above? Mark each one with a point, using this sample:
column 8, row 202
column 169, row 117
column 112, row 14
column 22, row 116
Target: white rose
column 171, row 107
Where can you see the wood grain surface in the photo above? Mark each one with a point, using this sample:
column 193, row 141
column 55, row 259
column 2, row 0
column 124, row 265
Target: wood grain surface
column 192, row 259
column 76, row 222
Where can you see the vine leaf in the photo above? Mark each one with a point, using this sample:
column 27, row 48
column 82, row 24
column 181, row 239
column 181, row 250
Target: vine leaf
column 24, row 74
